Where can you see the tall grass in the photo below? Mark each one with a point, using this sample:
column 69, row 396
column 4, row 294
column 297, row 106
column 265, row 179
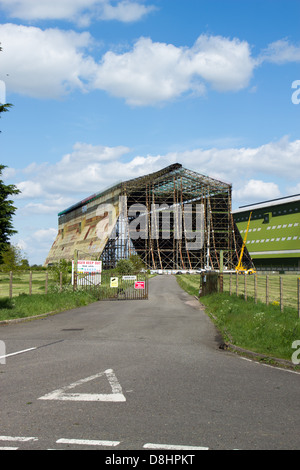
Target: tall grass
column 25, row 305
column 257, row 327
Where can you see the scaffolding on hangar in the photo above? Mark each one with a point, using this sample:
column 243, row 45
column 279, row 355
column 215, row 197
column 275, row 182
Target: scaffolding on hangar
column 174, row 194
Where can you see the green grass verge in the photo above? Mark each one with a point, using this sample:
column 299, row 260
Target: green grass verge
column 189, row 283
column 24, row 305
column 257, row 327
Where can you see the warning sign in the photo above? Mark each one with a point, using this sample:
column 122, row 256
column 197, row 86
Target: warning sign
column 114, row 282
column 88, row 272
column 139, row 285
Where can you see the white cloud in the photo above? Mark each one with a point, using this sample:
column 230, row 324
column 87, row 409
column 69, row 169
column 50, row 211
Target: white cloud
column 77, row 172
column 81, row 12
column 44, row 64
column 155, row 72
column 257, row 190
column 35, row 246
column 89, row 169
column 51, row 63
column 125, row 11
column 30, row 189
column 8, row 173
column 45, row 235
column 281, row 52
column 294, row 189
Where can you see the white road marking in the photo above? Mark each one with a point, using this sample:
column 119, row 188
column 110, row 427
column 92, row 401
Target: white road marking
column 9, row 448
column 94, row 442
column 115, row 396
column 172, row 447
column 18, row 439
column 268, row 365
column 18, row 352
column 88, row 442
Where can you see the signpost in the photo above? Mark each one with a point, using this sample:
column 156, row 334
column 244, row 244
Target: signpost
column 88, row 272
column 114, row 282
column 139, row 285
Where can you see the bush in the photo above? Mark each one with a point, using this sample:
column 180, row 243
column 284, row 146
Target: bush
column 125, row 266
column 63, row 267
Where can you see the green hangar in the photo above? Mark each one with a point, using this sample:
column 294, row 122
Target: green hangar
column 273, row 238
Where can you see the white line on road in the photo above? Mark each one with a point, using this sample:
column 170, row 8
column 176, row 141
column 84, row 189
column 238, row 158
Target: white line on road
column 268, row 365
column 115, row 396
column 9, row 448
column 18, row 439
column 88, row 442
column 18, row 352
column 172, row 447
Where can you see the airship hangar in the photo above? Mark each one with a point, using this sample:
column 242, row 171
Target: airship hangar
column 173, row 219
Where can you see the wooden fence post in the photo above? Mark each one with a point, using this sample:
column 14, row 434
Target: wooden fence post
column 221, row 283
column 10, row 285
column 230, row 283
column 237, row 284
column 30, row 283
column 267, row 290
column 255, row 288
column 245, row 286
column 46, row 284
column 281, row 293
column 60, row 281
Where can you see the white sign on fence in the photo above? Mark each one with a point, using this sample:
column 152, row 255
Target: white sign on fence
column 88, row 272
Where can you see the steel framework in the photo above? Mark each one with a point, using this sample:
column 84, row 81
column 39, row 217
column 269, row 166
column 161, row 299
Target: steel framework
column 182, row 220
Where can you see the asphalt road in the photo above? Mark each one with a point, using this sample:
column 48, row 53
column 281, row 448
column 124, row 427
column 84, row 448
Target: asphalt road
column 133, row 375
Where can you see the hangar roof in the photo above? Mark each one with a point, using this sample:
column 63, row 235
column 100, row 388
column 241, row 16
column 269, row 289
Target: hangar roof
column 191, row 181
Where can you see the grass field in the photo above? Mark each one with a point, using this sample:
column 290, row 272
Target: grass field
column 268, row 288
column 20, row 283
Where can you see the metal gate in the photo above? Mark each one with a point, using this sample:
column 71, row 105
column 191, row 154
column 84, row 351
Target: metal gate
column 111, row 285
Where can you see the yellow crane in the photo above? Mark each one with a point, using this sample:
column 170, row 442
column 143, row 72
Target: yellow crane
column 240, row 269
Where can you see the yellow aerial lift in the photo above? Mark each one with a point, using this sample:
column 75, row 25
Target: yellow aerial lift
column 240, row 269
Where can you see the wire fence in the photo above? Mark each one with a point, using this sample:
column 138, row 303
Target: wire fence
column 283, row 291
column 27, row 282
column 110, row 285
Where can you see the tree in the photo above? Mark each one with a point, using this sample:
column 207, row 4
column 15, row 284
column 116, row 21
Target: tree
column 13, row 259
column 64, row 267
column 124, row 266
column 7, row 210
column 137, row 262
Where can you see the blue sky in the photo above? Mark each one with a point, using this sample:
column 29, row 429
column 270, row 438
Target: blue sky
column 107, row 90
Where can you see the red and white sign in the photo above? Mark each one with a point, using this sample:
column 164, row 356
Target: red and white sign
column 139, row 285
column 87, row 269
